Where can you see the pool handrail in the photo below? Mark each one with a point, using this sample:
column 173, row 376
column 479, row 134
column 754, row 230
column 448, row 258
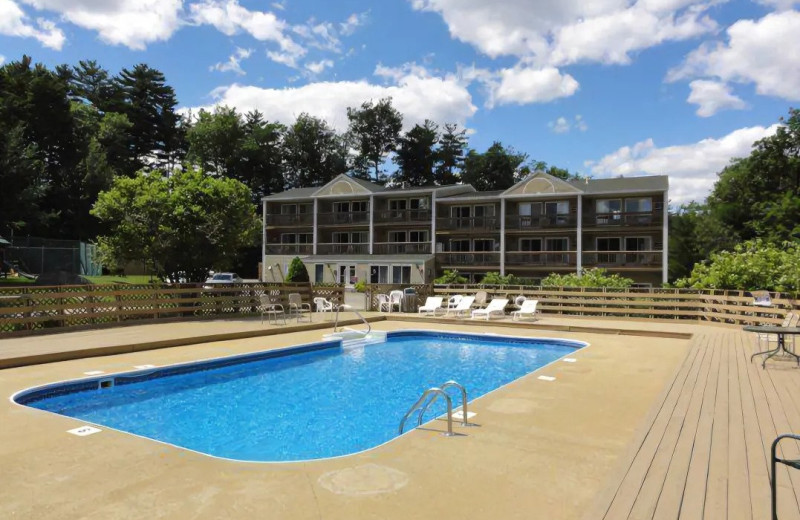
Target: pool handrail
column 431, row 391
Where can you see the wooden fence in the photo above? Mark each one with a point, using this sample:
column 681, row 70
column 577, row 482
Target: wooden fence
column 373, row 290
column 35, row 308
column 734, row 307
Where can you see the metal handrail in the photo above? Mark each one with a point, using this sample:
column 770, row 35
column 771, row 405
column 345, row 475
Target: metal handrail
column 463, row 391
column 436, row 391
column 348, row 308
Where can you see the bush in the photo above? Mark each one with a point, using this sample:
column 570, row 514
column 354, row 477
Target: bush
column 360, row 286
column 595, row 277
column 297, row 271
column 450, row 277
column 495, row 278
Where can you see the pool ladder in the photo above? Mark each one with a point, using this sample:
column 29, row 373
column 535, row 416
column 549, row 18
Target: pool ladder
column 423, row 403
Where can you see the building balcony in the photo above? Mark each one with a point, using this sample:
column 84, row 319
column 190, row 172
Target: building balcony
column 618, row 259
column 469, row 258
column 289, row 249
column 401, row 248
column 403, row 216
column 541, row 258
column 357, row 218
column 467, row 224
column 294, row 219
column 343, row 249
column 650, row 218
column 523, row 222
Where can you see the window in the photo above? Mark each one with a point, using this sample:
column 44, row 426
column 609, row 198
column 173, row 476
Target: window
column 379, row 274
column 421, row 203
column 397, row 236
column 401, row 274
column 637, row 244
column 359, row 206
column 341, row 237
column 319, row 273
column 484, row 211
column 297, row 238
column 288, row 209
column 639, row 205
column 460, row 245
column 559, row 207
column 397, row 204
column 612, row 245
column 341, row 207
column 530, row 244
column 524, row 209
column 483, row 244
column 609, row 206
column 460, row 211
column 305, row 208
column 418, row 236
column 557, row 244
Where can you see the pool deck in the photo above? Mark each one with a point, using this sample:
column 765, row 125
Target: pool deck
column 637, row 427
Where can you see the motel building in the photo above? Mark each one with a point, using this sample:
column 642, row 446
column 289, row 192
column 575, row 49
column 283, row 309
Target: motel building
column 353, row 230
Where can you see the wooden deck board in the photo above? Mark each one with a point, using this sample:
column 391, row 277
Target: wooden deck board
column 704, row 450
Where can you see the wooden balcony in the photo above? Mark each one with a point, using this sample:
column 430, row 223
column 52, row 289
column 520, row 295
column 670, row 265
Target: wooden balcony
column 294, row 219
column 647, row 259
column 403, row 216
column 343, row 249
column 523, row 222
column 541, row 258
column 468, row 224
column 650, row 218
column 357, row 218
column 289, row 249
column 401, row 248
column 469, row 258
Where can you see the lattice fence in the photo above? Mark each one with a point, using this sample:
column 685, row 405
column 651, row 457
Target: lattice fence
column 423, row 291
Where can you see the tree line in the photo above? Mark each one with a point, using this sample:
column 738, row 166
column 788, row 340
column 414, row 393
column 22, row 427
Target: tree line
column 67, row 133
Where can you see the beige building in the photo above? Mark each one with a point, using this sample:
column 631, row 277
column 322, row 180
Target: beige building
column 352, row 230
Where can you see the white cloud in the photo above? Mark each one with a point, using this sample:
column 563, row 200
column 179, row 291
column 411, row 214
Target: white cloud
column 713, row 96
column 2, row 59
column 279, row 5
column 692, row 168
column 132, row 23
column 523, row 85
column 234, row 62
column 442, row 99
column 560, row 125
column 762, row 52
column 14, row 22
column 353, row 22
column 580, row 124
column 317, row 67
column 560, row 32
column 780, row 5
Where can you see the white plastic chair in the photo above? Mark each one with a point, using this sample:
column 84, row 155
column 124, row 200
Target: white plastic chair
column 432, row 305
column 462, row 309
column 528, row 308
column 384, row 304
column 496, row 307
column 395, row 298
column 323, row 305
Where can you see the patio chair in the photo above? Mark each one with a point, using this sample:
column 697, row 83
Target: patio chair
column 761, row 298
column 432, row 305
column 496, row 307
column 271, row 306
column 519, row 300
column 384, row 303
column 480, row 299
column 528, row 308
column 454, row 300
column 296, row 306
column 395, row 298
column 323, row 305
column 462, row 309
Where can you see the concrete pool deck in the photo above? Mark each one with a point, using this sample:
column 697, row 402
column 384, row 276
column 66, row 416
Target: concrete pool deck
column 608, row 438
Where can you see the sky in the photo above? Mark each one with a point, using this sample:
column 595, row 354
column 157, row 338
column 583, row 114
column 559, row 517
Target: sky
column 603, row 87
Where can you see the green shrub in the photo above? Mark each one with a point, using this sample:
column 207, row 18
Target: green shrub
column 360, row 286
column 297, row 271
column 495, row 278
column 595, row 277
column 450, row 277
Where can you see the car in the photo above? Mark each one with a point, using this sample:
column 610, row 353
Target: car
column 222, row 279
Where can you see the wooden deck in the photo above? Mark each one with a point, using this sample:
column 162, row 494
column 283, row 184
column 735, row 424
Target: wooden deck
column 704, row 451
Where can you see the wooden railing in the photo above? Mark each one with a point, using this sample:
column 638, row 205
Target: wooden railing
column 343, row 249
column 541, row 258
column 399, row 216
column 732, row 307
column 289, row 249
column 292, row 219
column 340, row 218
column 25, row 309
column 401, row 248
column 540, row 221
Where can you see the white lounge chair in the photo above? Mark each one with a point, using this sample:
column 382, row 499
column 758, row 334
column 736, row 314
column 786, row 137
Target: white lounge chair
column 462, row 309
column 452, row 303
column 496, row 307
column 432, row 304
column 528, row 308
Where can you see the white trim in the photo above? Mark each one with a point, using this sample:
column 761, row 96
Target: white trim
column 371, row 210
column 263, row 240
column 665, row 240
column 579, row 257
column 314, row 240
column 502, row 237
column 433, row 223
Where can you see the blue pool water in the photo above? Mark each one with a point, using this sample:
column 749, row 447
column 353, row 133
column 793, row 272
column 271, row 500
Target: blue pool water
column 322, row 402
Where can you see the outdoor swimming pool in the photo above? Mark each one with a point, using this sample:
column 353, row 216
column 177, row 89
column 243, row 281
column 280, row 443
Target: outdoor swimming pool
column 307, row 402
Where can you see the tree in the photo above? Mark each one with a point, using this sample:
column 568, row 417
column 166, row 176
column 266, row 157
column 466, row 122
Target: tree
column 416, row 155
column 450, row 154
column 188, row 222
column 313, row 153
column 297, row 271
column 497, row 169
column 374, row 131
column 261, row 165
column 216, row 140
column 694, row 234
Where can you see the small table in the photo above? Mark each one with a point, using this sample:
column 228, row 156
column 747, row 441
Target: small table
column 781, row 333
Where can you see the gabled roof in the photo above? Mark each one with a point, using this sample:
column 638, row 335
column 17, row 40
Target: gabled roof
column 540, row 183
column 293, row 194
column 623, row 184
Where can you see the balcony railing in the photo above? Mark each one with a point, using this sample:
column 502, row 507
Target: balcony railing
column 289, row 249
column 294, row 219
column 622, row 258
column 468, row 223
column 541, row 258
column 540, row 221
column 649, row 218
column 476, row 258
column 401, row 248
column 338, row 219
column 391, row 216
column 342, row 249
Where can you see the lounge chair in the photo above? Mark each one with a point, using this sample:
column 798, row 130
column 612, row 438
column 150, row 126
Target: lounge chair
column 296, row 306
column 480, row 299
column 271, row 306
column 323, row 305
column 496, row 307
column 462, row 309
column 528, row 308
column 432, row 304
column 454, row 300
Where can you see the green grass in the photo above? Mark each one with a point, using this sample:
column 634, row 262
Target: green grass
column 15, row 281
column 132, row 279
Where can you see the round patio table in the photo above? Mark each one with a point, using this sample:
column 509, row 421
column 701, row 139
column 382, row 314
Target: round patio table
column 781, row 333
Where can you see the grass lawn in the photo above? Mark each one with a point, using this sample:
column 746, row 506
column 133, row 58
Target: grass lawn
column 100, row 280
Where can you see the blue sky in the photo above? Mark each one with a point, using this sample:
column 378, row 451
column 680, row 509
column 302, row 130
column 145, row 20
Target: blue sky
column 605, row 88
